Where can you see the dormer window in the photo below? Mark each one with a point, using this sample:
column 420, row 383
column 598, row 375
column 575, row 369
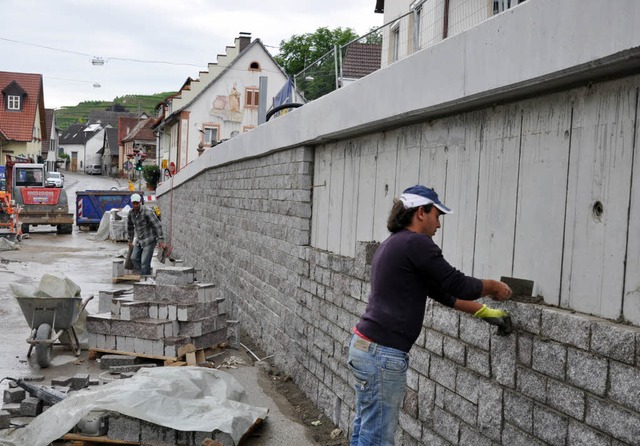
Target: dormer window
column 13, row 102
column 254, row 66
column 14, row 96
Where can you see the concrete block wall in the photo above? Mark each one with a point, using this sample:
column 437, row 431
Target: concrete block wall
column 561, row 378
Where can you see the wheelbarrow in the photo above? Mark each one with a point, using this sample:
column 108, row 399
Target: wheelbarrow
column 49, row 318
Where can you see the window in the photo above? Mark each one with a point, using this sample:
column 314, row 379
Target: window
column 13, row 102
column 417, row 17
column 210, row 134
column 254, row 66
column 395, row 43
column 252, row 95
column 502, row 5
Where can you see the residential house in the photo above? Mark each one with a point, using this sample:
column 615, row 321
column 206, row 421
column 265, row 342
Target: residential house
column 22, row 115
column 141, row 140
column 360, row 60
column 416, row 24
column 125, row 125
column 110, row 151
column 222, row 103
column 83, row 144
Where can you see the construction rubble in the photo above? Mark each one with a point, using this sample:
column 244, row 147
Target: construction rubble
column 169, row 320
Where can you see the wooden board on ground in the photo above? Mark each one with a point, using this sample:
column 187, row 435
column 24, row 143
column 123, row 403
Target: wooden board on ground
column 83, row 440
column 126, row 278
column 94, row 353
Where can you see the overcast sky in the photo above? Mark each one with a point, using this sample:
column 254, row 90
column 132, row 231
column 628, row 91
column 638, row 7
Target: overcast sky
column 178, row 31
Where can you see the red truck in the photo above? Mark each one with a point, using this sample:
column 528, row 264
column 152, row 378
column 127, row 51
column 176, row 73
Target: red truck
column 40, row 205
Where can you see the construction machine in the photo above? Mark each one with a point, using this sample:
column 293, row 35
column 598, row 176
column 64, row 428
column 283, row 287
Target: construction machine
column 39, row 205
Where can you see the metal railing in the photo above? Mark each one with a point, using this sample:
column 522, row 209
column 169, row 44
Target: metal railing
column 428, row 23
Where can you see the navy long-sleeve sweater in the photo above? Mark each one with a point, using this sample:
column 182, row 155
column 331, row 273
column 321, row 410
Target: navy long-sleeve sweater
column 407, row 268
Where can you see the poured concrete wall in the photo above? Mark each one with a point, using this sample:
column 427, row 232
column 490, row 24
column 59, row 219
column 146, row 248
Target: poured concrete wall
column 285, row 219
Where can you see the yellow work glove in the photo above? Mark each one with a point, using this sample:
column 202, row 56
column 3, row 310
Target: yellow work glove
column 499, row 318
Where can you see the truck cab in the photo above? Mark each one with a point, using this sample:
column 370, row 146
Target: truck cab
column 41, row 205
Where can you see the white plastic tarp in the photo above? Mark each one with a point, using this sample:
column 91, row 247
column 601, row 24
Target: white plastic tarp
column 191, row 399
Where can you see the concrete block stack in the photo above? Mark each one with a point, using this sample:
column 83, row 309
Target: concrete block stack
column 162, row 316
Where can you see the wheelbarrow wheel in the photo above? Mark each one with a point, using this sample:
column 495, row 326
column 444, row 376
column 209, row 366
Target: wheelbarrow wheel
column 43, row 350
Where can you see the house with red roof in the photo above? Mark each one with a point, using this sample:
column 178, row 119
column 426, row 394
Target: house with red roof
column 22, row 115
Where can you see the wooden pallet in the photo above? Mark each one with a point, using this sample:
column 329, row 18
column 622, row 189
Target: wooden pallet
column 94, row 353
column 126, row 278
column 187, row 355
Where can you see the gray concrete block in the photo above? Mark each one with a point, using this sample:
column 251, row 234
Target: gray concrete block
column 201, row 326
column 460, row 407
column 531, row 384
column 154, row 434
column 163, row 312
column 469, row 437
column 610, row 418
column 140, row 328
column 420, row 359
column 434, row 342
column 503, row 359
column 12, row 408
column 210, row 339
column 92, row 340
column 566, row 327
column 579, row 434
column 479, row 361
column 518, row 410
column 614, row 341
column 107, row 361
column 130, row 311
column 587, row 371
column 31, row 407
column 475, row 332
column 105, row 297
column 443, row 372
column 513, row 436
column 527, row 317
column 64, row 381
column 171, row 345
column 490, row 410
column 446, row 425
column 116, row 369
column 445, row 320
column 525, row 349
column 99, row 323
column 454, row 350
column 549, row 426
column 624, row 385
column 145, row 291
column 175, row 275
column 566, row 399
column 14, row 395
column 5, row 419
column 549, row 358
column 123, row 428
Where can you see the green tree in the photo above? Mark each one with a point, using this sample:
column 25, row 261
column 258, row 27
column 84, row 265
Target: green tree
column 313, row 53
column 151, row 174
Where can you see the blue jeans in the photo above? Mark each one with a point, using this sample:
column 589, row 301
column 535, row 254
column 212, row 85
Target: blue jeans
column 141, row 258
column 381, row 376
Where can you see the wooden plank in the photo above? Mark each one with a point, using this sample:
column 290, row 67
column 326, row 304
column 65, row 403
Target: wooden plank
column 186, row 349
column 385, row 182
column 320, row 191
column 85, row 440
column 93, row 353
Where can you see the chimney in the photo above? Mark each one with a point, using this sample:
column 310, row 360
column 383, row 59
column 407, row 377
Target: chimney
column 244, row 40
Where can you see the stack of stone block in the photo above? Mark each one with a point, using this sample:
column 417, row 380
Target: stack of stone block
column 161, row 316
column 18, row 403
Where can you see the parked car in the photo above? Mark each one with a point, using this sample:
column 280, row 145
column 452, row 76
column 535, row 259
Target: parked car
column 55, row 179
column 93, row 169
